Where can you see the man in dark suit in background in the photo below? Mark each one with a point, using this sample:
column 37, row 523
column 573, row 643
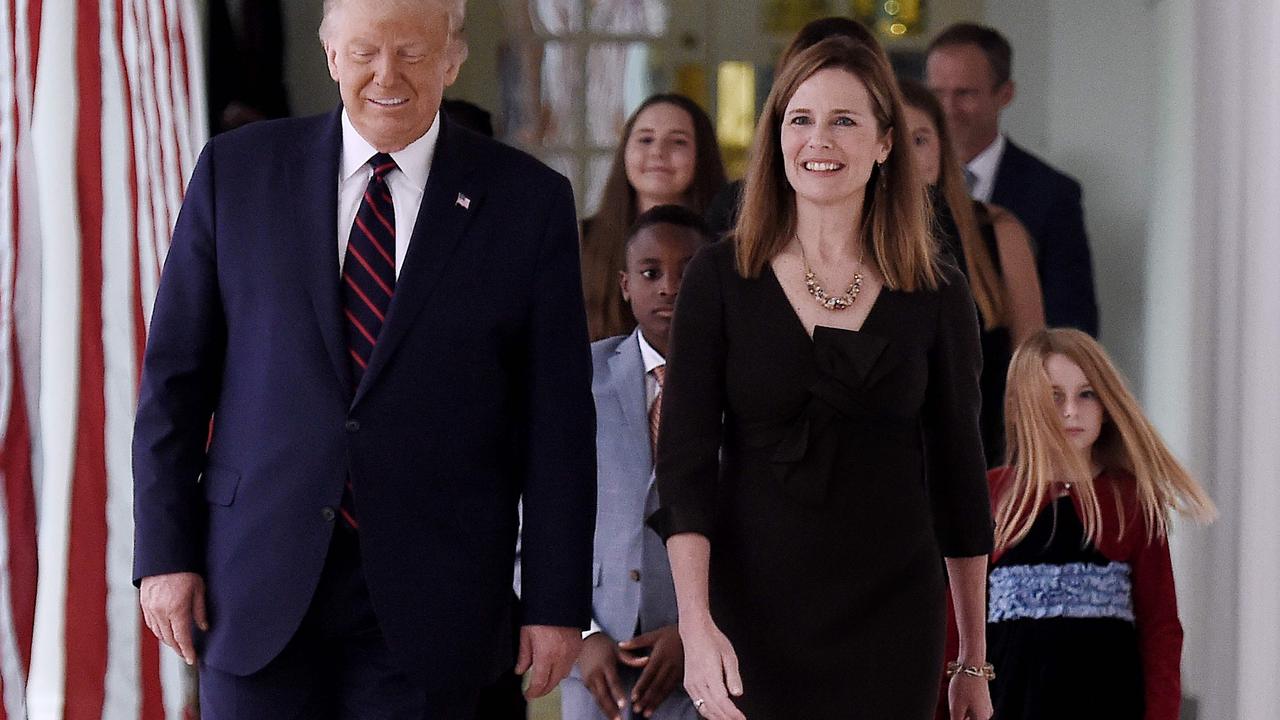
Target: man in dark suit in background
column 969, row 69
column 381, row 313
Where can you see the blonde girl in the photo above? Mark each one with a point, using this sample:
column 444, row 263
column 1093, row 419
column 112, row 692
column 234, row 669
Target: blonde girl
column 1082, row 620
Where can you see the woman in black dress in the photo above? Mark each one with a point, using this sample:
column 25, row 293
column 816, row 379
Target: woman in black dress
column 990, row 246
column 820, row 445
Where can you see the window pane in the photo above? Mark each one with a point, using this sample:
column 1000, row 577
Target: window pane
column 735, row 113
column 630, row 17
column 556, row 17
column 561, row 78
column 619, row 78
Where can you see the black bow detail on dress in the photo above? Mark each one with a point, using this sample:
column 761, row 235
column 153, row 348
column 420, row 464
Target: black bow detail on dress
column 805, row 458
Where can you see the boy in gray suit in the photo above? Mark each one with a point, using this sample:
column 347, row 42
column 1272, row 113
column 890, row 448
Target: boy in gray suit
column 632, row 660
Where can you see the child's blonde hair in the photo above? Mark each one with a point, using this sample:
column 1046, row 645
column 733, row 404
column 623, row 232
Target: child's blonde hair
column 1039, row 452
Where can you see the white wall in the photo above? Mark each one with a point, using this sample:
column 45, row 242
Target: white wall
column 1176, row 358
column 1219, row 336
column 307, row 79
column 1024, row 23
column 1087, row 76
column 478, row 82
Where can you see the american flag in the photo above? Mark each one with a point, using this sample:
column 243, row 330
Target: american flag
column 101, row 120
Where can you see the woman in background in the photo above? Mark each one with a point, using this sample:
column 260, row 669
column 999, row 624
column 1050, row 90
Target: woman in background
column 992, row 249
column 668, row 155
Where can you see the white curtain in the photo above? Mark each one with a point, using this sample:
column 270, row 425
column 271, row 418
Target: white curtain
column 1213, row 336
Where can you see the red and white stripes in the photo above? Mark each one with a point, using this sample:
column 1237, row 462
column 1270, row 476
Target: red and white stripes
column 19, row 348
column 108, row 95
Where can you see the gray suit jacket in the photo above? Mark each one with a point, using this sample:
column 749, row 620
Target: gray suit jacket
column 631, row 575
column 630, row 571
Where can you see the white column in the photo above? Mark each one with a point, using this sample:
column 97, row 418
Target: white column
column 1214, row 331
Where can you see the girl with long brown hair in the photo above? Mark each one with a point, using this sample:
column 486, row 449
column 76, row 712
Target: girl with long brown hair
column 819, row 447
column 992, row 249
column 1081, row 585
column 668, row 155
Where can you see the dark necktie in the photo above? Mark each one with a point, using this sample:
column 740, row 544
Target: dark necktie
column 368, row 282
column 369, row 270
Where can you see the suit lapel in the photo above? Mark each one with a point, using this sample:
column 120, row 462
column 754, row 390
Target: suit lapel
column 627, row 383
column 1006, row 174
column 452, row 197
column 313, row 179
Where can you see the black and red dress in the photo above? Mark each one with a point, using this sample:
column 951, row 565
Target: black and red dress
column 1081, row 629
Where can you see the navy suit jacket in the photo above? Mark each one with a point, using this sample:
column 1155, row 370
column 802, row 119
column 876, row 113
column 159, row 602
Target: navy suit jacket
column 1049, row 204
column 478, row 392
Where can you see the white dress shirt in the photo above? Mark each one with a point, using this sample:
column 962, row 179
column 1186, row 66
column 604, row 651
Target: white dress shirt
column 652, row 359
column 407, row 183
column 984, row 167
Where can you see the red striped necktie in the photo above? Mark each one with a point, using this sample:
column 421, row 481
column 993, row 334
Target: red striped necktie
column 368, row 282
column 369, row 270
column 655, row 410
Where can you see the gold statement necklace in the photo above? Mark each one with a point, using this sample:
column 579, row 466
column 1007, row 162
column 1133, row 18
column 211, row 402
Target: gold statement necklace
column 831, row 302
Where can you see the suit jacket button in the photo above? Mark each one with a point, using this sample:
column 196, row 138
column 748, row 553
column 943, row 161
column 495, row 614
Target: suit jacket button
column 635, row 575
column 327, row 513
column 352, row 426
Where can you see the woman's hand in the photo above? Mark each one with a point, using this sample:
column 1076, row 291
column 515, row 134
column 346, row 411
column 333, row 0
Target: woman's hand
column 969, row 698
column 710, row 670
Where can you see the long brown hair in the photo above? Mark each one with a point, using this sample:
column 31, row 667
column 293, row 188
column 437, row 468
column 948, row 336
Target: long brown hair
column 1040, row 452
column 981, row 268
column 895, row 210
column 602, row 239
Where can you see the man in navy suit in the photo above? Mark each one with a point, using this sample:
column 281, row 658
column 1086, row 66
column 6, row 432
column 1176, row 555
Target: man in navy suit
column 969, row 69
column 380, row 314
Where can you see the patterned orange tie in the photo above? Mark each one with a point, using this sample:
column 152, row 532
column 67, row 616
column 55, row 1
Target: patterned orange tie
column 655, row 410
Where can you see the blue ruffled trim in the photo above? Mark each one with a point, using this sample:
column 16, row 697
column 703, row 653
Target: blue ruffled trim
column 1075, row 590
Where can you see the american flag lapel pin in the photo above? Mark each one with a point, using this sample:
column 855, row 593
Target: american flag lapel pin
column 463, row 202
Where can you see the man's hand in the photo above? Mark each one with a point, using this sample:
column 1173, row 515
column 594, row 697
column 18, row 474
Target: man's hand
column 599, row 666
column 663, row 667
column 170, row 603
column 547, row 652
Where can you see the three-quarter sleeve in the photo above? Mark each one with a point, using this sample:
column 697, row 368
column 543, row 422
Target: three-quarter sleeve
column 953, row 440
column 693, row 399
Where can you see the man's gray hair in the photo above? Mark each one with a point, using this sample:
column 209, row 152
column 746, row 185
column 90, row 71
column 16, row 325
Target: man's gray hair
column 456, row 9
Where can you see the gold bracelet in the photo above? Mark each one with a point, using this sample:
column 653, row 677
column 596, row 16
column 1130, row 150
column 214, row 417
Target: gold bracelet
column 985, row 670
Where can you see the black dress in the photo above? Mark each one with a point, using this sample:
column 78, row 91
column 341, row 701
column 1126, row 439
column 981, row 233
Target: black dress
column 1059, row 608
column 826, row 538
